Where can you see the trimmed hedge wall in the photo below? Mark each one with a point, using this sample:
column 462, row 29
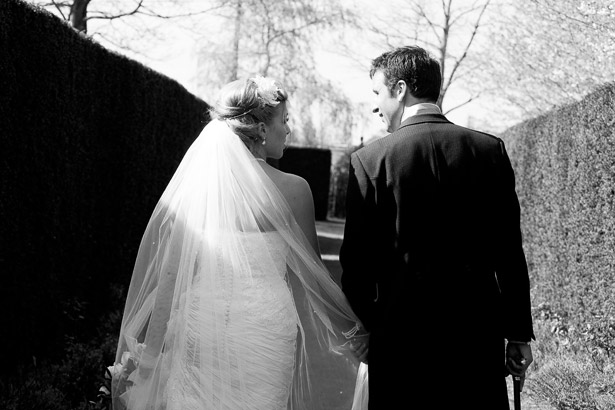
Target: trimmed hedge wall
column 89, row 140
column 339, row 181
column 314, row 165
column 565, row 168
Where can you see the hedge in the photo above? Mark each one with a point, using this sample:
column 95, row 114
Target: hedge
column 89, row 140
column 565, row 169
column 314, row 165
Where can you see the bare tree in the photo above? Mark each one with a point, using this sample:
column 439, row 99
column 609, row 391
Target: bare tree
column 511, row 59
column 79, row 12
column 236, row 38
column 277, row 38
column 448, row 29
column 552, row 52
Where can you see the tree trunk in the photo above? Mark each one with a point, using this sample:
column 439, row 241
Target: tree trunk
column 78, row 15
column 234, row 72
column 444, row 50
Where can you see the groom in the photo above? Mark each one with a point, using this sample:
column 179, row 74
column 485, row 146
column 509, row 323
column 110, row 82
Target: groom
column 432, row 256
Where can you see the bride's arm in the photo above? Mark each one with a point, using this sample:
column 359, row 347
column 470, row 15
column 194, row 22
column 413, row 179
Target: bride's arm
column 161, row 310
column 164, row 298
column 301, row 203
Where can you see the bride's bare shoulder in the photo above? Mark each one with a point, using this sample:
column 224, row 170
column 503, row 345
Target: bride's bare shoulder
column 295, row 189
column 289, row 184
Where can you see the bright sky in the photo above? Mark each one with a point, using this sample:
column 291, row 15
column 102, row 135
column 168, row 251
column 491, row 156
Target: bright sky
column 179, row 62
column 175, row 54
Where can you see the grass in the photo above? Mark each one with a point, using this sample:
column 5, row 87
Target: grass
column 573, row 369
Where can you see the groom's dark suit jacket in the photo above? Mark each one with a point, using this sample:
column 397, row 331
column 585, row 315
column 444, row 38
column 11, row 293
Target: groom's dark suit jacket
column 433, row 264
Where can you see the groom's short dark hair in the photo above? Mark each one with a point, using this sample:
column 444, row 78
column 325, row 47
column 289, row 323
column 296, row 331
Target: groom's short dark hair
column 415, row 67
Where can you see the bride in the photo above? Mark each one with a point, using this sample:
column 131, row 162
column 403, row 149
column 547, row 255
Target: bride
column 230, row 306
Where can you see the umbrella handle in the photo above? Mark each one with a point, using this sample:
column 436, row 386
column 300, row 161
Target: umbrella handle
column 517, row 391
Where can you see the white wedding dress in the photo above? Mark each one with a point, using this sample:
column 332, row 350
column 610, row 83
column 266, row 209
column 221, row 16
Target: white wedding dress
column 229, row 306
column 248, row 362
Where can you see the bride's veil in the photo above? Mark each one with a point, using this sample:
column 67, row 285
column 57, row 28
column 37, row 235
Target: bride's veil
column 192, row 246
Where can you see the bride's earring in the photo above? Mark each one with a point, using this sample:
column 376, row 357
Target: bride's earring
column 262, row 132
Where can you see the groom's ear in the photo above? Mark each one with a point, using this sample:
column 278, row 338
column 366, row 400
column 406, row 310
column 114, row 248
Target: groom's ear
column 400, row 90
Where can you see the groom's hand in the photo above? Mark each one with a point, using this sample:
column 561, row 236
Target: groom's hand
column 518, row 359
column 360, row 348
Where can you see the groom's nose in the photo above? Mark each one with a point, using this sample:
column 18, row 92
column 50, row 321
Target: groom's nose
column 375, row 110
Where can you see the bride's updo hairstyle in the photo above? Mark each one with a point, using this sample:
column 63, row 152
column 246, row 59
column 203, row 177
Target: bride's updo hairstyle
column 243, row 104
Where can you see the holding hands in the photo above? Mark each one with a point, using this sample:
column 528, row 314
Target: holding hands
column 359, row 346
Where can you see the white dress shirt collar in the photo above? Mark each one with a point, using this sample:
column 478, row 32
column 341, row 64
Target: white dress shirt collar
column 419, row 109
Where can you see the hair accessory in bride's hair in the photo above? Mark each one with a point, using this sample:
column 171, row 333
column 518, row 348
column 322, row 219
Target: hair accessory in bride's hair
column 267, row 90
column 238, row 115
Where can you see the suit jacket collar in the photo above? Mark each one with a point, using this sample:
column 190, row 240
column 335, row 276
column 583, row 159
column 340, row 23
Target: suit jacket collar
column 423, row 118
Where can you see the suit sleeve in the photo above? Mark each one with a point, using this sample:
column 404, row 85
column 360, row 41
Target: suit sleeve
column 356, row 253
column 511, row 266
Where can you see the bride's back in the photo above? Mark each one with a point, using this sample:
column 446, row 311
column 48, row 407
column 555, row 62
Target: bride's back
column 297, row 193
column 255, row 110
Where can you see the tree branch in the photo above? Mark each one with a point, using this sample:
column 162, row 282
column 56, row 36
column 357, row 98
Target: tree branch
column 467, row 47
column 119, row 45
column 280, row 33
column 151, row 13
column 390, row 34
column 463, row 13
column 434, row 27
column 108, row 16
column 462, row 104
column 268, row 38
column 58, row 7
